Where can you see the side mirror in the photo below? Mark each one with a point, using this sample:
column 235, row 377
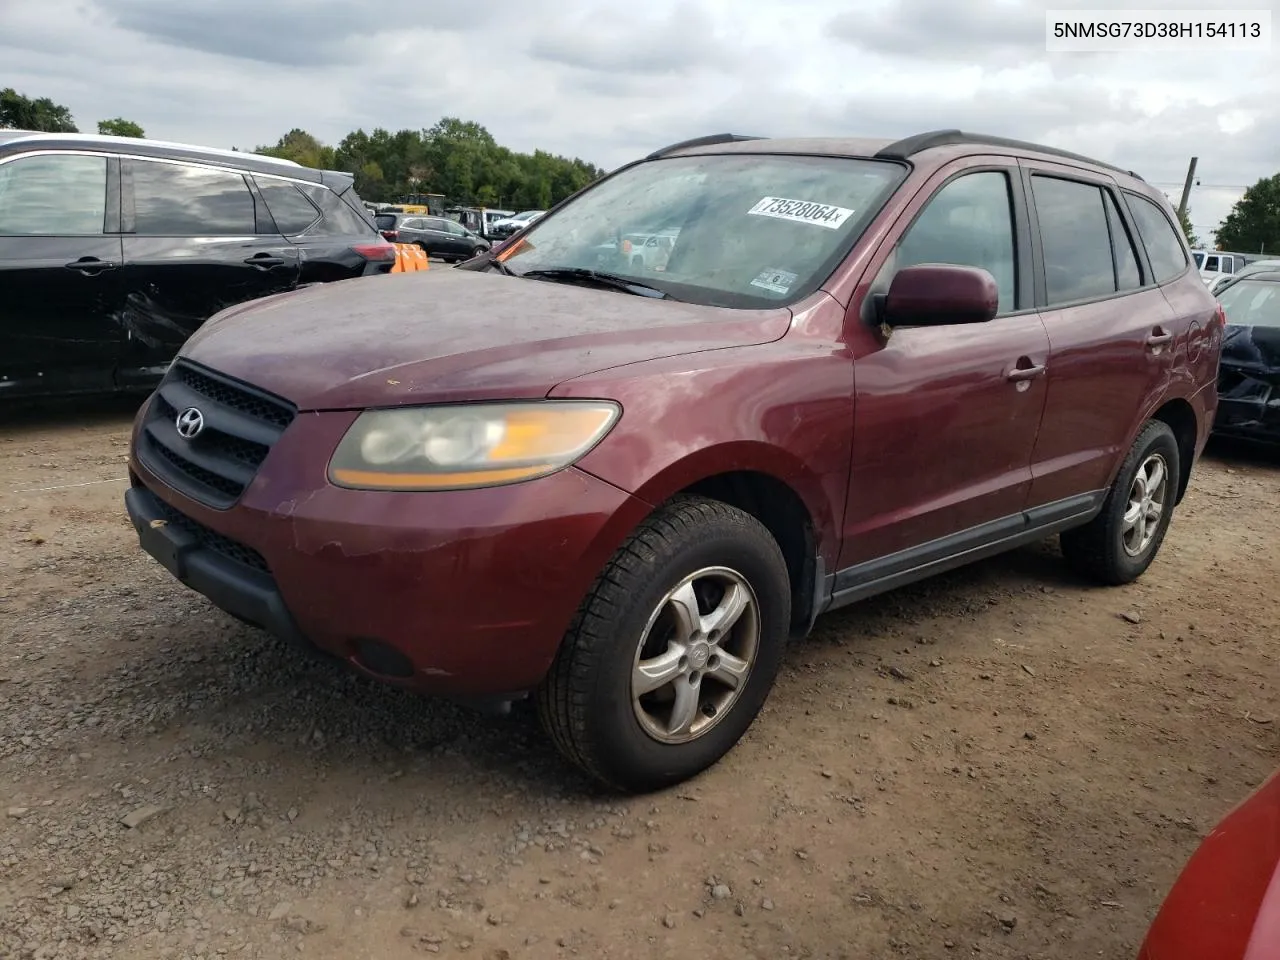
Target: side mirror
column 939, row 294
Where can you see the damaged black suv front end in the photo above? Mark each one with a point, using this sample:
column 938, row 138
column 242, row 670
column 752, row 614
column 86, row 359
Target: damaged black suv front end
column 1249, row 371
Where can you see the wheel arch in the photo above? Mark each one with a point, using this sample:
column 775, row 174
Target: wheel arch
column 1180, row 417
column 790, row 504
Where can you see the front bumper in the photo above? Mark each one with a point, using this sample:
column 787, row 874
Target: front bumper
column 462, row 593
column 210, row 565
column 1248, row 404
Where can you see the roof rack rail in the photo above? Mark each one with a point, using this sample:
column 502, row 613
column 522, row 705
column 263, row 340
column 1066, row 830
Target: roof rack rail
column 706, row 141
column 909, row 146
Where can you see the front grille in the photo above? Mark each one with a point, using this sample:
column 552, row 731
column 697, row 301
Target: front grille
column 242, row 398
column 240, row 425
column 212, row 540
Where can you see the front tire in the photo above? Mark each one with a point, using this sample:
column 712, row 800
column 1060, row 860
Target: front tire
column 1118, row 545
column 674, row 651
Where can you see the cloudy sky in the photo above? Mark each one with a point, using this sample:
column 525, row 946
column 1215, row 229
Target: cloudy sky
column 608, row 79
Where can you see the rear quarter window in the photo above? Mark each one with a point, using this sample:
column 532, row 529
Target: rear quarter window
column 339, row 220
column 1159, row 236
column 292, row 211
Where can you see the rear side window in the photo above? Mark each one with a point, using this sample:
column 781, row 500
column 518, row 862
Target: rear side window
column 177, row 200
column 292, row 211
column 56, row 195
column 1075, row 239
column 339, row 220
column 968, row 222
column 1128, row 274
column 1160, row 237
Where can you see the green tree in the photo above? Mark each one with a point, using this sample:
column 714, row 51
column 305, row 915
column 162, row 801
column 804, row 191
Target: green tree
column 301, row 147
column 120, row 127
column 1253, row 225
column 20, row 112
column 457, row 158
column 1184, row 220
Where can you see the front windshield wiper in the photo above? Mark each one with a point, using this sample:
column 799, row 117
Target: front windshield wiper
column 582, row 274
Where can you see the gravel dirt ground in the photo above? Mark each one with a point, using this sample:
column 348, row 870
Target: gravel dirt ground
column 1004, row 762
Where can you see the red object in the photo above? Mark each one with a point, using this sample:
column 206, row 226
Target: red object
column 923, row 294
column 1226, row 903
column 376, row 251
column 937, row 438
column 391, row 235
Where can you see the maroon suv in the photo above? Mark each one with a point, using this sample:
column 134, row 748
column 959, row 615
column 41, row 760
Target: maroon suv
column 622, row 485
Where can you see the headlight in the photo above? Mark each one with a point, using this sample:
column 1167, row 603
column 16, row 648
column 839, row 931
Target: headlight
column 473, row 445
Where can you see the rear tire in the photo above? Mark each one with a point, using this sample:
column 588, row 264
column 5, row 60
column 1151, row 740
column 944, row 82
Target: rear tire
column 645, row 692
column 1118, row 545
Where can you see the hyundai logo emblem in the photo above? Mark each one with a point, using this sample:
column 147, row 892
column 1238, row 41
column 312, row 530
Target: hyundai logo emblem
column 189, row 423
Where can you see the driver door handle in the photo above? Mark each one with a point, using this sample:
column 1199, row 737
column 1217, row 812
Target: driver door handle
column 1159, row 338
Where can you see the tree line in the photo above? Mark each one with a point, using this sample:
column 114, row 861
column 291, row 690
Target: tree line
column 457, row 158
column 461, row 160
column 19, row 112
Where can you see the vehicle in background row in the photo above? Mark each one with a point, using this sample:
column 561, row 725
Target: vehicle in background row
column 438, row 236
column 479, row 220
column 1218, row 265
column 1248, row 270
column 502, row 229
column 114, row 250
column 624, row 490
column 1249, row 371
column 1225, row 905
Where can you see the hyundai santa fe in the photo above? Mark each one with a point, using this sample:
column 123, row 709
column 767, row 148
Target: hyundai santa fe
column 621, row 487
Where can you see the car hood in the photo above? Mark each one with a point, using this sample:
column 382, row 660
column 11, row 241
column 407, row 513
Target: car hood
column 1255, row 350
column 451, row 335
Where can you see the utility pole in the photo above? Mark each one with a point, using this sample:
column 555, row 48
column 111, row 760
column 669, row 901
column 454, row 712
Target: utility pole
column 1186, row 188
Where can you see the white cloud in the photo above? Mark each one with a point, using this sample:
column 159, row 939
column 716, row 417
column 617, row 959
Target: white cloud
column 608, row 81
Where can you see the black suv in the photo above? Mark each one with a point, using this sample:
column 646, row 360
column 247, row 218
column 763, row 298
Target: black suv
column 438, row 236
column 114, row 250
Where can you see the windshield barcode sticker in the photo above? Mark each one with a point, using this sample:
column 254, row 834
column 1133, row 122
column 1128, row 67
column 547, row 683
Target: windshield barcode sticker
column 802, row 211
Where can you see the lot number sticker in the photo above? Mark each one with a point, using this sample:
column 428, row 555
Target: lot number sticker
column 775, row 281
column 802, row 211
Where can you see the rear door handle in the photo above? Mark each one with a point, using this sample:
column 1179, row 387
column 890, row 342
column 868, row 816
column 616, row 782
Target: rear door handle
column 1025, row 373
column 91, row 266
column 264, row 260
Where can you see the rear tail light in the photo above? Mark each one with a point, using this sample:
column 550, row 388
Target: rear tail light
column 375, row 251
column 391, row 235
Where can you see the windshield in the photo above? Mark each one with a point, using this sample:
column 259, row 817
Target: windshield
column 727, row 230
column 1252, row 303
column 385, row 221
column 526, row 215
